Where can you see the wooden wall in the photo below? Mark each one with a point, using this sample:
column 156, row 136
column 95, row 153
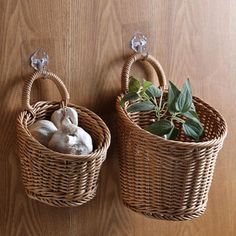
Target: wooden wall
column 87, row 41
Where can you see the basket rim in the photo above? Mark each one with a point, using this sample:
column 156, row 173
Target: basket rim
column 211, row 142
column 64, row 156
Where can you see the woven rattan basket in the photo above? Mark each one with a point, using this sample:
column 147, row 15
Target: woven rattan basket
column 54, row 178
column 160, row 178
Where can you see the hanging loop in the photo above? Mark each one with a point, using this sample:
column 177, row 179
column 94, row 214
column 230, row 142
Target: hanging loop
column 140, row 57
column 38, row 75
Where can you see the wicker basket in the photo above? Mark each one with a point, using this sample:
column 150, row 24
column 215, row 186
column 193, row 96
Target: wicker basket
column 160, row 178
column 57, row 179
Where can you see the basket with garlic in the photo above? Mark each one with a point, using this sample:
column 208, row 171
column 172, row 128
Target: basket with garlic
column 61, row 147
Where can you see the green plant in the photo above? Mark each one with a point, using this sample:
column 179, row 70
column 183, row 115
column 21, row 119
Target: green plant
column 176, row 108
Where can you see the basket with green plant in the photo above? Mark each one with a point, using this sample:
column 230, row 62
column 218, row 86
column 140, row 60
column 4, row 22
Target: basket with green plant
column 168, row 144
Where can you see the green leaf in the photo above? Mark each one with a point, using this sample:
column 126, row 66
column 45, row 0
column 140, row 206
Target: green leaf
column 122, row 103
column 173, row 94
column 131, row 96
column 191, row 114
column 134, row 84
column 172, row 135
column 153, row 91
column 193, row 129
column 141, row 106
column 184, row 101
column 146, row 84
column 160, row 127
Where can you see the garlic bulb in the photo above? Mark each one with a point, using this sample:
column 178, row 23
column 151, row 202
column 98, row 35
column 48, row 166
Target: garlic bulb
column 42, row 130
column 71, row 139
column 62, row 133
column 59, row 115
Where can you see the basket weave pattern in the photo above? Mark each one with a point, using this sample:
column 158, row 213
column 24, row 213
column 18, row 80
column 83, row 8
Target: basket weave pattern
column 54, row 178
column 161, row 178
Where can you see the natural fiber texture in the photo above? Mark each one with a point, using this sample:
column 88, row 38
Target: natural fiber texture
column 54, row 178
column 47, row 75
column 166, row 179
column 137, row 57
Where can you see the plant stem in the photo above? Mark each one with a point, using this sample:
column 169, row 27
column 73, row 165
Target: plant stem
column 177, row 119
column 160, row 102
column 159, row 108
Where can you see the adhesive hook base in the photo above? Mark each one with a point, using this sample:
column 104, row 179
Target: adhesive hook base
column 39, row 60
column 138, row 43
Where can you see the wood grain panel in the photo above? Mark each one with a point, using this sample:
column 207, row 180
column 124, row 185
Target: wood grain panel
column 87, row 42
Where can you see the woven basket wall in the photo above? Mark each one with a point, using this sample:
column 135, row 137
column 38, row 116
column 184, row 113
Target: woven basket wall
column 160, row 178
column 54, row 178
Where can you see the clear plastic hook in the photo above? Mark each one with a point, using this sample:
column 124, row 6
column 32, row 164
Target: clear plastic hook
column 138, row 43
column 39, row 60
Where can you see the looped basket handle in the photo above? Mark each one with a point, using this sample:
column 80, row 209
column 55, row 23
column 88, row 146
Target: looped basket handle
column 37, row 75
column 140, row 57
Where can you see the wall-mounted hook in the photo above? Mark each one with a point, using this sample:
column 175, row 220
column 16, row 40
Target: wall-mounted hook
column 138, row 43
column 39, row 60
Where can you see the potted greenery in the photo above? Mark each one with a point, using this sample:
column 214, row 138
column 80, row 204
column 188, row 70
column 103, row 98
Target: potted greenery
column 177, row 108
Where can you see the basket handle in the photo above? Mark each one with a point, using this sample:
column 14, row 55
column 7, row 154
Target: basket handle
column 37, row 75
column 140, row 57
